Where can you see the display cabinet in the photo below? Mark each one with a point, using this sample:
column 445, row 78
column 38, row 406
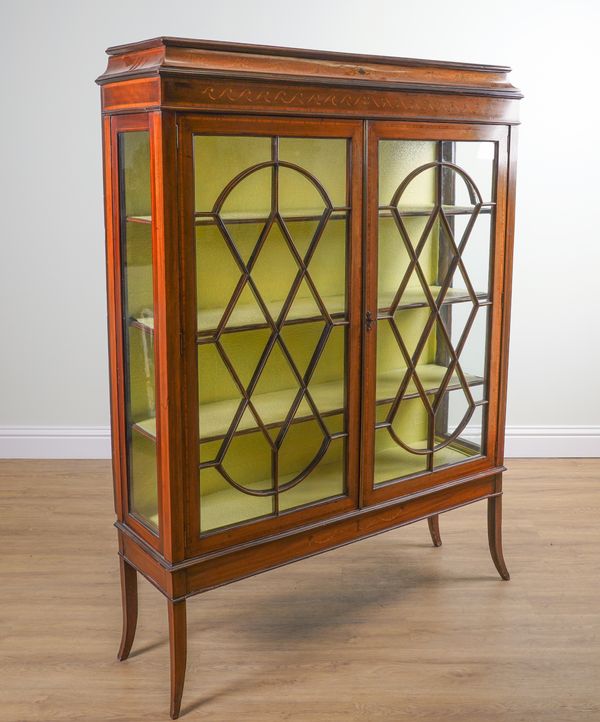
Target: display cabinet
column 309, row 260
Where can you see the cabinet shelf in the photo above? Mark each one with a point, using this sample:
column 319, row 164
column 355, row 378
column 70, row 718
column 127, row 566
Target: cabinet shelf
column 311, row 214
column 293, row 216
column 227, row 506
column 415, row 298
column 386, row 211
column 274, row 405
column 395, row 463
column 249, row 317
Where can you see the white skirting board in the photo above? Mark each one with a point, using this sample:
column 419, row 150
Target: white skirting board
column 93, row 442
column 55, row 442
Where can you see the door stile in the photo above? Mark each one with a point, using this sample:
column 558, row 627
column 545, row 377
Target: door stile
column 369, row 351
column 354, row 276
column 191, row 431
column 168, row 329
column 511, row 181
column 495, row 418
column 111, row 223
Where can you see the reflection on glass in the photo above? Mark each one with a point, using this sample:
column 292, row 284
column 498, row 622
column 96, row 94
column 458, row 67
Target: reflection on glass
column 271, row 254
column 138, row 324
column 436, row 209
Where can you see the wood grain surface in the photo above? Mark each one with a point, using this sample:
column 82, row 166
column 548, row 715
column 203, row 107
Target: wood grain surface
column 388, row 629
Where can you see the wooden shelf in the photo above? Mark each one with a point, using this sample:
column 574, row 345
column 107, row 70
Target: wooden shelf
column 273, row 406
column 430, row 375
column 292, row 216
column 311, row 214
column 386, row 211
column 249, row 317
column 415, row 298
column 305, row 310
column 394, row 463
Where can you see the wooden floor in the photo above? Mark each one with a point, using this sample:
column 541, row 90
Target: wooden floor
column 385, row 629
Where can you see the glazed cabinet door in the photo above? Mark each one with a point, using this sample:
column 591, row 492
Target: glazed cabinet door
column 433, row 304
column 271, row 216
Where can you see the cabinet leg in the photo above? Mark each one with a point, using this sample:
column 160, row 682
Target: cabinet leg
column 129, row 601
column 434, row 530
column 178, row 650
column 495, row 535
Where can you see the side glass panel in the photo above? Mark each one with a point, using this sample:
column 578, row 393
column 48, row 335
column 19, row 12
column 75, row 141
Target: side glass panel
column 138, row 324
column 271, row 220
column 436, row 216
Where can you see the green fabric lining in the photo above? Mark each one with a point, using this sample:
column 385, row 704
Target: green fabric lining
column 229, row 506
column 216, row 417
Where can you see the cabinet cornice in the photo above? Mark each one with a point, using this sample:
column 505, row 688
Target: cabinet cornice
column 182, row 58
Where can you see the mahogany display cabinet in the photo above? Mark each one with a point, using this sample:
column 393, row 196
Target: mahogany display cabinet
column 309, row 263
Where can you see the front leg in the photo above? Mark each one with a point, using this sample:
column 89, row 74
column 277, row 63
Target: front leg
column 178, row 652
column 495, row 535
column 434, row 530
column 129, row 601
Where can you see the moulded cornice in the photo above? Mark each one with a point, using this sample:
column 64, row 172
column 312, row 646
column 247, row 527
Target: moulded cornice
column 185, row 58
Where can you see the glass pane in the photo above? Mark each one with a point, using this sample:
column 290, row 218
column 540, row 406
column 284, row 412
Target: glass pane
column 460, row 423
column 222, row 504
column 271, row 254
column 476, row 253
column 327, row 265
column 436, row 207
column 298, row 196
column 138, row 324
column 476, row 158
column 397, row 160
column 394, row 452
column 326, row 480
column 218, row 159
column 323, row 158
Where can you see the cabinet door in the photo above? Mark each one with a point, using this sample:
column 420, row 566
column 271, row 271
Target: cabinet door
column 435, row 227
column 272, row 259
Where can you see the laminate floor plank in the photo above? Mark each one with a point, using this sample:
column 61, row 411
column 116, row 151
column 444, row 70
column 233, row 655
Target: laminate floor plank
column 389, row 628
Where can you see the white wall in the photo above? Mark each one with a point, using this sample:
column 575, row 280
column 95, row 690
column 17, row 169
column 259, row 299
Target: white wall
column 53, row 360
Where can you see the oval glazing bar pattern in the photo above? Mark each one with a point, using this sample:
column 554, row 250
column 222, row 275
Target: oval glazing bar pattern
column 429, row 306
column 272, row 325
